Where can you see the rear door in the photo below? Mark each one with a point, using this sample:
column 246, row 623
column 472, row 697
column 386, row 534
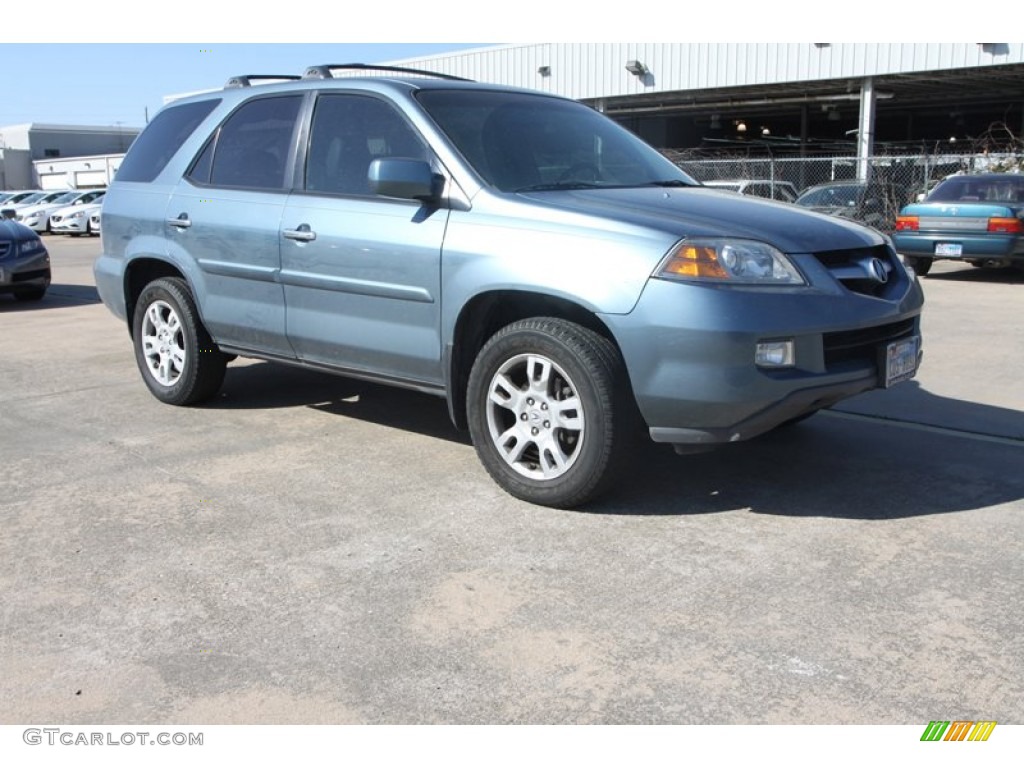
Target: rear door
column 225, row 215
column 362, row 273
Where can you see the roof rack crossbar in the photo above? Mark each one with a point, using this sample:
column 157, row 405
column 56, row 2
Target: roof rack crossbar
column 245, row 81
column 324, row 71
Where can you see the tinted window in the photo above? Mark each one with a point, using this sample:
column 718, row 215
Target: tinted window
column 520, row 141
column 348, row 133
column 986, row 189
column 251, row 149
column 156, row 145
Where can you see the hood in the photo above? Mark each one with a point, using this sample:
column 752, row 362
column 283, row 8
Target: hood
column 13, row 230
column 702, row 212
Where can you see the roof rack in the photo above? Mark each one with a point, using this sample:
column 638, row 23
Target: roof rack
column 324, row 71
column 245, row 81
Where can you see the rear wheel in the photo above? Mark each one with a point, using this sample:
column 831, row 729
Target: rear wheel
column 548, row 411
column 920, row 264
column 179, row 361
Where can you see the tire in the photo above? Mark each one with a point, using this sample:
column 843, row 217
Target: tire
column 179, row 361
column 35, row 294
column 920, row 264
column 550, row 411
column 88, row 229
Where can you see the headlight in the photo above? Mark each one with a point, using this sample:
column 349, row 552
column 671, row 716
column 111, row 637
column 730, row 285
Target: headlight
column 726, row 260
column 76, row 215
column 31, row 247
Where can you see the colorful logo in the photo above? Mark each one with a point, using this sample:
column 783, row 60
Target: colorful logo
column 958, row 730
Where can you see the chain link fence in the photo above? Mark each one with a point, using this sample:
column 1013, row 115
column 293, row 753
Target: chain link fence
column 892, row 180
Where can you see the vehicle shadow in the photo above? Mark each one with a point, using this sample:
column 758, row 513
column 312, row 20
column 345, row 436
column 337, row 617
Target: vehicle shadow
column 1001, row 275
column 262, row 385
column 826, row 467
column 854, row 464
column 58, row 295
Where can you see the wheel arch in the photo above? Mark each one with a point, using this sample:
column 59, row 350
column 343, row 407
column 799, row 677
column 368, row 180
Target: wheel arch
column 484, row 315
column 140, row 273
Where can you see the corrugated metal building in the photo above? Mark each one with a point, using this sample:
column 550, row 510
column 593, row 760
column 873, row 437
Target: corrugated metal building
column 783, row 97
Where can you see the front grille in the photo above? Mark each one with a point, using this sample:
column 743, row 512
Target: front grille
column 861, row 270
column 56, row 218
column 862, row 344
column 5, row 248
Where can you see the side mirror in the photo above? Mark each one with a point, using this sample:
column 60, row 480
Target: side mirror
column 404, row 178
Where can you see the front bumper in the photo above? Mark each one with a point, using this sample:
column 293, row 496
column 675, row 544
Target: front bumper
column 69, row 225
column 25, row 273
column 689, row 351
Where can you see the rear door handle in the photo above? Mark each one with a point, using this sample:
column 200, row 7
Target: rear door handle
column 304, row 234
column 183, row 221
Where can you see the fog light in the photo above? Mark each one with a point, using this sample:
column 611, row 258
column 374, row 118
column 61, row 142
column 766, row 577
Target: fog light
column 775, row 354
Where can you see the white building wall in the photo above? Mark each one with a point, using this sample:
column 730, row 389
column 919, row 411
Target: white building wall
column 76, row 172
column 596, row 70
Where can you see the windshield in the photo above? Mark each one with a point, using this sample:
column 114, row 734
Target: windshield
column 521, row 142
column 67, row 197
column 984, row 189
column 33, row 198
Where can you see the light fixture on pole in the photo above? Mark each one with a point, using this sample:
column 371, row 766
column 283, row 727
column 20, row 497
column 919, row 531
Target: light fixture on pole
column 635, row 67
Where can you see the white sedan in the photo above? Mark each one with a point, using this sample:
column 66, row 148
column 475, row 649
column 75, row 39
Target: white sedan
column 75, row 219
column 37, row 216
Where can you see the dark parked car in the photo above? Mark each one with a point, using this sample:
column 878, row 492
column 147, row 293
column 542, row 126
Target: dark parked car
column 24, row 262
column 555, row 279
column 973, row 218
column 871, row 203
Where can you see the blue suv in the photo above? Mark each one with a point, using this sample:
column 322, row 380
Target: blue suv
column 558, row 281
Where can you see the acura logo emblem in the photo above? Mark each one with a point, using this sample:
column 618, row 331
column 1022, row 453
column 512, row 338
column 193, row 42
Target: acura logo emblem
column 877, row 271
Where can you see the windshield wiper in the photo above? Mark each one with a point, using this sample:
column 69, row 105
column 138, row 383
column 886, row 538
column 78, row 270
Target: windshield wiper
column 560, row 185
column 670, row 183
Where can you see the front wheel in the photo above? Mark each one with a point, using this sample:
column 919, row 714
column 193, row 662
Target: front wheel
column 920, row 264
column 548, row 411
column 179, row 361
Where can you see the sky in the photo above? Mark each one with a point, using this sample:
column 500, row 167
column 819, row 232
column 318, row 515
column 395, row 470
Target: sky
column 107, row 84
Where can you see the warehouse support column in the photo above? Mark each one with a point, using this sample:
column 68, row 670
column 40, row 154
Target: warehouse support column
column 866, row 129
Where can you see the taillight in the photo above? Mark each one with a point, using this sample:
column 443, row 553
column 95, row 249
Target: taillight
column 905, row 223
column 1008, row 225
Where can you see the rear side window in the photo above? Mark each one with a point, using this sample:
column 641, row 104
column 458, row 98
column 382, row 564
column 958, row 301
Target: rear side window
column 251, row 149
column 156, row 145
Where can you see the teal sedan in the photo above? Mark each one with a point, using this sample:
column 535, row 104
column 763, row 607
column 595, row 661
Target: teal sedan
column 972, row 218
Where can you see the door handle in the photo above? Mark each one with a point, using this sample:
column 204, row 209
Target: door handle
column 303, row 233
column 183, row 221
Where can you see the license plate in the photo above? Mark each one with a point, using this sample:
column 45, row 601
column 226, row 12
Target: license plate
column 901, row 360
column 949, row 249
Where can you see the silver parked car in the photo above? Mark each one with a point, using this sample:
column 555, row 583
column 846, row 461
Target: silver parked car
column 782, row 191
column 555, row 279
